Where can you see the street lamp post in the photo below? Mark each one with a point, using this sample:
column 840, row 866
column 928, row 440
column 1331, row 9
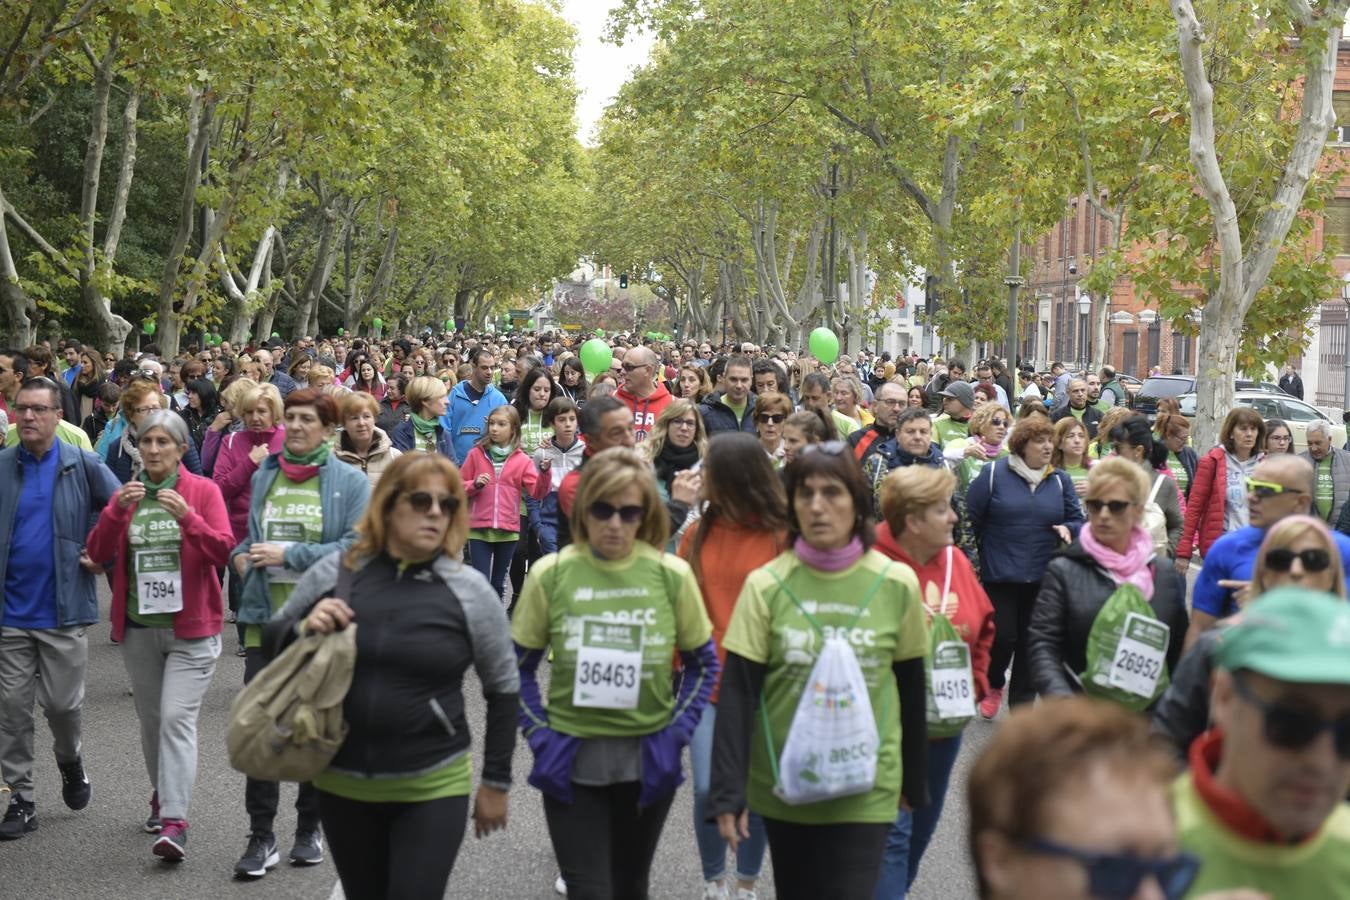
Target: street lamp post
column 1014, row 279
column 1084, row 310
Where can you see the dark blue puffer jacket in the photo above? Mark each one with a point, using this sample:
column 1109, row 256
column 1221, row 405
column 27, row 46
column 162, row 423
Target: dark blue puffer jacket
column 1014, row 525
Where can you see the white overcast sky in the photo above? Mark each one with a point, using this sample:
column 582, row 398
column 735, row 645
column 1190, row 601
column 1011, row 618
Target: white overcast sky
column 601, row 67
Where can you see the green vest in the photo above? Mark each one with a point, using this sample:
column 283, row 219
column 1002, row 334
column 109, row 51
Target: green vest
column 768, row 627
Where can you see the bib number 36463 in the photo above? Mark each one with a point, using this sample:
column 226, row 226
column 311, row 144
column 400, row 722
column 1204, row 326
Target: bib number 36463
column 609, row 665
column 953, row 684
column 159, row 582
column 1140, row 655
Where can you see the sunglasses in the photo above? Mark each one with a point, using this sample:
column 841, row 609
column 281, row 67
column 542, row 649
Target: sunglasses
column 833, row 448
column 1282, row 559
column 1264, row 489
column 1118, row 876
column 1116, row 506
column 421, row 502
column 605, row 511
column 998, row 422
column 773, row 418
column 1292, row 729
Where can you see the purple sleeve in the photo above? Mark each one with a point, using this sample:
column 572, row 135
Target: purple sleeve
column 532, row 714
column 695, row 688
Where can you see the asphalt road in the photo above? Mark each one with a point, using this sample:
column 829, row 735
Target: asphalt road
column 102, row 851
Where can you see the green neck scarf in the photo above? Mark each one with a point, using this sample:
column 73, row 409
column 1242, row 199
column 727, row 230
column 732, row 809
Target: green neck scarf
column 153, row 488
column 314, row 457
column 499, row 454
column 425, row 427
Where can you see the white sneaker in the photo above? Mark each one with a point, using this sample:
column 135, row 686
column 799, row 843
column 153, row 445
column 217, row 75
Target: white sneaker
column 746, row 894
column 560, row 886
column 714, row 890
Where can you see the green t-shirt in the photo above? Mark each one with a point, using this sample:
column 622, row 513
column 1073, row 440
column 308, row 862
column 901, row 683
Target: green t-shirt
column 768, row 627
column 1318, row 867
column 1326, row 491
column 600, row 613
column 1079, row 474
column 1104, row 403
column 533, row 431
column 153, row 543
column 738, row 410
column 451, row 780
column 292, row 514
column 66, row 433
column 945, row 429
column 1178, row 471
column 844, row 425
column 1077, row 413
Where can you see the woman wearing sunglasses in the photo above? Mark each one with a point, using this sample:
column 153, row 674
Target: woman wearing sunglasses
column 1099, row 829
column 771, row 411
column 1298, row 551
column 395, row 799
column 1113, row 549
column 989, row 426
column 829, row 585
column 612, row 608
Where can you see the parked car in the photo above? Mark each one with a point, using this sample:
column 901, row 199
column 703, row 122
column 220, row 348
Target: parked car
column 1159, row 386
column 1278, row 406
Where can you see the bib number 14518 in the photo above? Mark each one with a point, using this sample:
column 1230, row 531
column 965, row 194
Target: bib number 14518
column 609, row 665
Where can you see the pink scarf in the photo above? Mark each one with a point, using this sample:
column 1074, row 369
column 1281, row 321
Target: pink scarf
column 829, row 560
column 1130, row 567
column 991, row 450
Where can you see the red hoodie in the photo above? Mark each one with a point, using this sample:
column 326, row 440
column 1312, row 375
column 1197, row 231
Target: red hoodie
column 970, row 611
column 645, row 409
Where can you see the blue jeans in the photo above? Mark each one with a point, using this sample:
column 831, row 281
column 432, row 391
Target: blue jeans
column 712, row 849
column 493, row 559
column 912, row 831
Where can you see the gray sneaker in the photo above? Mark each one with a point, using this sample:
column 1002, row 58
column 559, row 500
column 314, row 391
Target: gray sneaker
column 260, row 855
column 308, row 848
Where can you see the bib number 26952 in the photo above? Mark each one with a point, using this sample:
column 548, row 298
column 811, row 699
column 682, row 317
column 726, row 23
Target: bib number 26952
column 609, row 665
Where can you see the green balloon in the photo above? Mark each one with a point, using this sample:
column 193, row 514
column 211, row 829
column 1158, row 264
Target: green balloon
column 600, row 332
column 596, row 357
column 824, row 345
column 448, row 325
column 341, row 331
column 276, row 334
column 379, row 323
column 148, row 328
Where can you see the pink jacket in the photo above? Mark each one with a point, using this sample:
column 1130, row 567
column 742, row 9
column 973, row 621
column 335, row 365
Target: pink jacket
column 497, row 503
column 234, row 472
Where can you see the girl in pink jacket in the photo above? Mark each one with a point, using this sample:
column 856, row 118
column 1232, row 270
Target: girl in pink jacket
column 495, row 473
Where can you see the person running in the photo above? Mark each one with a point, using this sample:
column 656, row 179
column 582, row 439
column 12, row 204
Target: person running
column 169, row 532
column 1112, row 550
column 612, row 608
column 425, row 428
column 828, row 579
column 1263, row 802
column 743, row 527
column 1298, row 551
column 362, row 444
column 498, row 474
column 304, row 504
column 1022, row 510
column 1217, row 501
column 54, row 492
column 917, row 531
column 1100, row 827
column 394, row 800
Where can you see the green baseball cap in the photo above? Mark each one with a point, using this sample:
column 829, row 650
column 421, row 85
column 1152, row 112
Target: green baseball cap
column 1291, row 634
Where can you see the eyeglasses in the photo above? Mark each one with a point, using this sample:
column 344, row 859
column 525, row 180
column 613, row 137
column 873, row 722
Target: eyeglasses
column 1265, row 489
column 422, row 502
column 1118, row 876
column 772, row 418
column 1282, row 559
column 37, row 409
column 684, row 423
column 892, row 401
column 605, row 511
column 143, row 410
column 833, row 448
column 1292, row 729
column 1116, row 506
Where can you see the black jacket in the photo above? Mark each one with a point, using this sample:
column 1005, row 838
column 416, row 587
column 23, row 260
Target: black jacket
column 1292, row 385
column 390, row 416
column 717, row 416
column 1182, row 713
column 1092, row 417
column 1073, row 590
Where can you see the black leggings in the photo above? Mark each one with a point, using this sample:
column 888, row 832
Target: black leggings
column 399, row 851
column 603, row 842
column 262, row 797
column 1012, row 619
column 840, row 861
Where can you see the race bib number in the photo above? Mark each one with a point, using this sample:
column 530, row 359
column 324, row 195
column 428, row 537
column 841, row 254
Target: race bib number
column 953, row 683
column 609, row 665
column 1140, row 655
column 159, row 582
column 283, row 534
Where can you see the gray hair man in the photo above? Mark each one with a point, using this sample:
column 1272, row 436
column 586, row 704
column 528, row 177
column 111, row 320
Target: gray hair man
column 1331, row 466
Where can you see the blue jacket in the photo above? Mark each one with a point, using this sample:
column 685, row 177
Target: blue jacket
column 283, row 382
column 465, row 418
column 1233, row 557
column 1014, row 526
column 83, row 487
column 717, row 416
column 343, row 494
column 403, row 438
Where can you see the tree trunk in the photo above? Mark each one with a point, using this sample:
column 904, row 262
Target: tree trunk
column 325, row 257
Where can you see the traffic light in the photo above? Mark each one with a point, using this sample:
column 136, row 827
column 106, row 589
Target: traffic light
column 623, row 280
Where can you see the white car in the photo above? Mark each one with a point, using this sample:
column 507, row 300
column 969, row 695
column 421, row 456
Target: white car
column 1291, row 410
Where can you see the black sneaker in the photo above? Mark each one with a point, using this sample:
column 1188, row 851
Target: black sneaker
column 260, row 856
column 152, row 822
column 308, row 848
column 20, row 819
column 74, row 784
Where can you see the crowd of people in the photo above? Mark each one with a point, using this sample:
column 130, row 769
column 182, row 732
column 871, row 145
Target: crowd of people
column 814, row 576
